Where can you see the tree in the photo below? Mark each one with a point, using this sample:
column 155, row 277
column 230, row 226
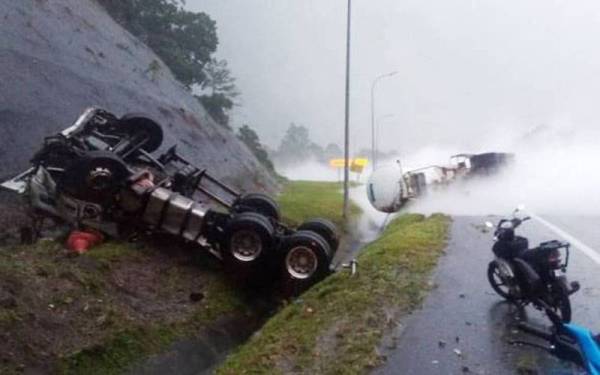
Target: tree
column 220, row 91
column 184, row 40
column 218, row 107
column 251, row 139
column 295, row 144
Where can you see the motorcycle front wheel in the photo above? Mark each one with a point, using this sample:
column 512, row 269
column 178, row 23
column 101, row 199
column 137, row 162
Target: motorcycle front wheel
column 500, row 285
column 560, row 301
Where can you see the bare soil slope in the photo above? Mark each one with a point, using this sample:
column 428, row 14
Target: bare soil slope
column 58, row 57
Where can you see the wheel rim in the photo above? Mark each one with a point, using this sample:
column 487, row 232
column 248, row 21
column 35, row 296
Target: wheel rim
column 246, row 246
column 501, row 284
column 301, row 262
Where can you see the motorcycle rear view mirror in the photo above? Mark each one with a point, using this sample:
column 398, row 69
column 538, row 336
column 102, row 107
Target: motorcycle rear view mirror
column 489, row 224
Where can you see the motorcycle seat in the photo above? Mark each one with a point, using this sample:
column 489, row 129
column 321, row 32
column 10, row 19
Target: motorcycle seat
column 534, row 281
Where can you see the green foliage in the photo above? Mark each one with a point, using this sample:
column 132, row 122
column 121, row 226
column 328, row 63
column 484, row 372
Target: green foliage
column 296, row 146
column 186, row 42
column 218, row 107
column 337, row 325
column 220, row 91
column 247, row 135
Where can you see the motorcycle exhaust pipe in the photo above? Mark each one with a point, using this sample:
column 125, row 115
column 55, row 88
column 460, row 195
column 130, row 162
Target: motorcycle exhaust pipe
column 535, row 331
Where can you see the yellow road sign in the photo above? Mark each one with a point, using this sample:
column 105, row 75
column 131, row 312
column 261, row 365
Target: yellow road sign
column 356, row 165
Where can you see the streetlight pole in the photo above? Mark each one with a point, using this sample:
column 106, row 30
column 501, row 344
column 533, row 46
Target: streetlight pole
column 378, row 129
column 347, row 119
column 373, row 86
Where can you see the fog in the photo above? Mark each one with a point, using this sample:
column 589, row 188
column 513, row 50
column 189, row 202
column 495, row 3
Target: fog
column 554, row 173
column 465, row 67
column 473, row 76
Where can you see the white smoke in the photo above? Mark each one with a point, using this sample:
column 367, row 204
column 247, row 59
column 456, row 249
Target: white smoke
column 556, row 172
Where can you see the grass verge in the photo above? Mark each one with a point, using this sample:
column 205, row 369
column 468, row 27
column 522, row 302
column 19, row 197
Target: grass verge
column 336, row 326
column 100, row 312
column 302, row 200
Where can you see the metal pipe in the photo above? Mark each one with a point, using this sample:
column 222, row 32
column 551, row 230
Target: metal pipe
column 347, row 117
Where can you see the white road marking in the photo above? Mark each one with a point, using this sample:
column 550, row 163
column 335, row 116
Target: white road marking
column 591, row 253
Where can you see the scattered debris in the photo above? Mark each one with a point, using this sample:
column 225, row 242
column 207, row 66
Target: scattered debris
column 81, row 241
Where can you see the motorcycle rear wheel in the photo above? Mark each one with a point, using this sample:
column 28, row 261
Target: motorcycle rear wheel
column 500, row 286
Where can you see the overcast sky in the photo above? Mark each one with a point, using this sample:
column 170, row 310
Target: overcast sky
column 468, row 69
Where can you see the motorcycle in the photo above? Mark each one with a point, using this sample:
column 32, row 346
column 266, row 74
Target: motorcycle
column 523, row 276
column 567, row 341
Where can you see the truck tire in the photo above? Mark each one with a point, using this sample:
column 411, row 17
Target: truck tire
column 306, row 261
column 247, row 241
column 95, row 177
column 260, row 203
column 134, row 122
column 325, row 229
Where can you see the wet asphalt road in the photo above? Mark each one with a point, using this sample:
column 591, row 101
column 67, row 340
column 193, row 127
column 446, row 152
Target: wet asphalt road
column 463, row 326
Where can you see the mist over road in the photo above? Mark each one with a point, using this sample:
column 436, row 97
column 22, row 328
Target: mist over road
column 464, row 326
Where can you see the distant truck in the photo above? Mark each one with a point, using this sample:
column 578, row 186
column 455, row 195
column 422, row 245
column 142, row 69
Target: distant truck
column 484, row 164
column 389, row 189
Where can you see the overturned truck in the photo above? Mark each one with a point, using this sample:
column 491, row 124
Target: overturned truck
column 390, row 189
column 101, row 174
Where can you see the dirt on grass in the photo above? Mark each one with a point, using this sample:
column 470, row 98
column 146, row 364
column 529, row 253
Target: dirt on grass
column 102, row 311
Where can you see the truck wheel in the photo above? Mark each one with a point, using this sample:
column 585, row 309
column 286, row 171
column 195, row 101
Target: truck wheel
column 325, row 229
column 133, row 123
column 306, row 261
column 248, row 240
column 260, row 203
column 95, row 177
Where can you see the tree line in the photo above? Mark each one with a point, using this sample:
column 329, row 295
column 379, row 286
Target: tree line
column 186, row 42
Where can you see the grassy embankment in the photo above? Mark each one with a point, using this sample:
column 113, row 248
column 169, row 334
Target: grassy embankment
column 100, row 312
column 335, row 327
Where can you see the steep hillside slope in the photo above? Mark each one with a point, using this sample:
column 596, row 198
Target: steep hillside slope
column 58, row 57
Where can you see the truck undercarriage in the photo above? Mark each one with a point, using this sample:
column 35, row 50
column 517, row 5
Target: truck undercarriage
column 101, row 174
